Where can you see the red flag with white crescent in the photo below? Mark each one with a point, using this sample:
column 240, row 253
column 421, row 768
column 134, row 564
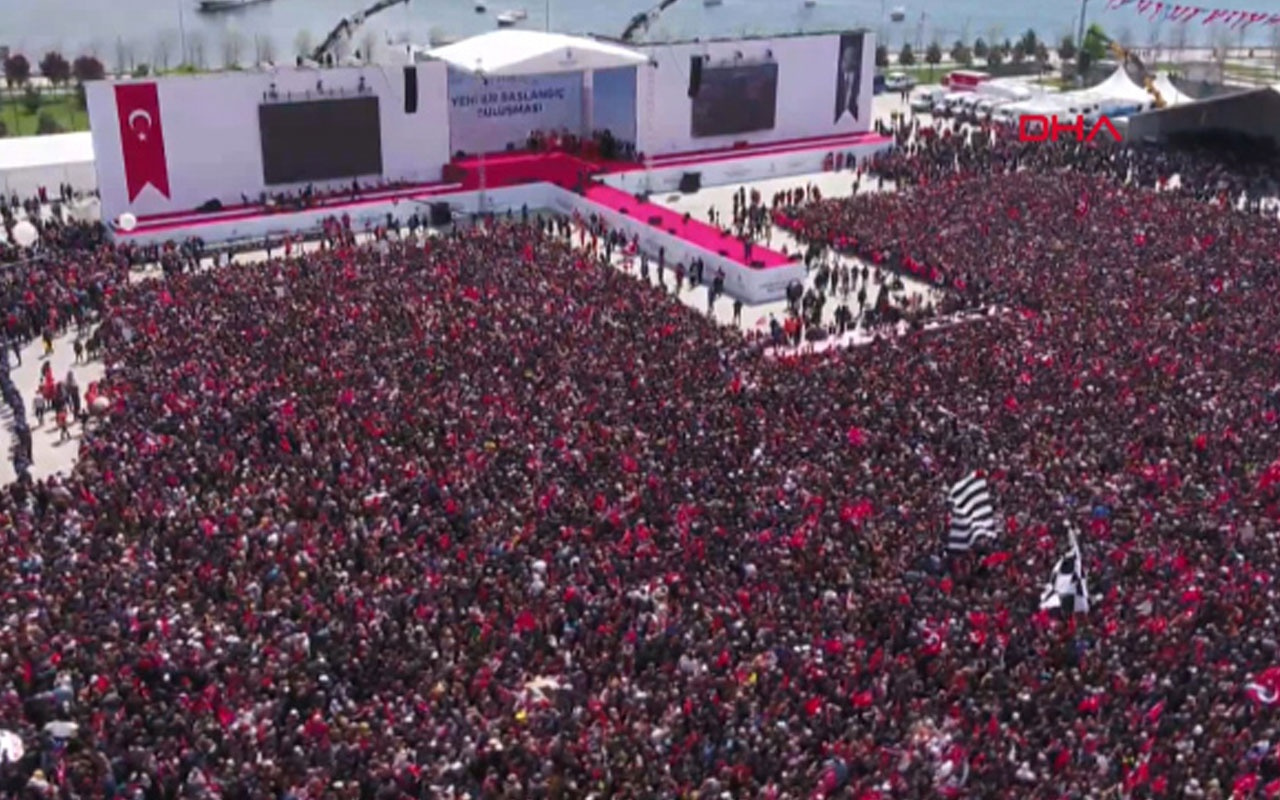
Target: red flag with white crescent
column 142, row 138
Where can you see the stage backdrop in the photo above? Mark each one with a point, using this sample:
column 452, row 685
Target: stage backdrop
column 754, row 90
column 172, row 144
column 488, row 115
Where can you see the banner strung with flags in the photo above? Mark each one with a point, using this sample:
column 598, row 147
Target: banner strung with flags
column 1067, row 581
column 973, row 517
column 1158, row 11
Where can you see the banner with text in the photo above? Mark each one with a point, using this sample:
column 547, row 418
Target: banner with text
column 487, row 115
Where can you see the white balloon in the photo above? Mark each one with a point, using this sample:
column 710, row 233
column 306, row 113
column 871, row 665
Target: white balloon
column 25, row 234
column 127, row 222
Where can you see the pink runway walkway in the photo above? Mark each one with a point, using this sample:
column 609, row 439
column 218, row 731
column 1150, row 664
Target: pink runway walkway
column 698, row 233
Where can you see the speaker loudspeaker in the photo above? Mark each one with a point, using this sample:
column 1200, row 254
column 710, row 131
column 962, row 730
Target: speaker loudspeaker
column 411, row 90
column 690, row 182
column 441, row 214
column 695, row 75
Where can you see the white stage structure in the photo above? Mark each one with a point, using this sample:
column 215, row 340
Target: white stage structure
column 514, row 53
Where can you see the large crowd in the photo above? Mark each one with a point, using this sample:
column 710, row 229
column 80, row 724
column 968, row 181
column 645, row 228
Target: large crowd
column 478, row 516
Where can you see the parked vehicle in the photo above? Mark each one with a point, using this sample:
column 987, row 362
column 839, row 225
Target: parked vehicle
column 924, row 101
column 899, row 82
column 946, row 104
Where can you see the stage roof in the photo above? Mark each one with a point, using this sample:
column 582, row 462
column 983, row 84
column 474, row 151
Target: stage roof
column 1254, row 113
column 516, row 52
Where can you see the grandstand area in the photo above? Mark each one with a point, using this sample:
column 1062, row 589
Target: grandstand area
column 520, row 506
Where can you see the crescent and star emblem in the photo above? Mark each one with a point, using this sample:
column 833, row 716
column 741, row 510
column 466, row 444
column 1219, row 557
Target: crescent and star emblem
column 141, row 131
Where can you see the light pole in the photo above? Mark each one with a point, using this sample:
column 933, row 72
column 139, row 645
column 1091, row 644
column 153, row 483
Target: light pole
column 1083, row 16
column 182, row 31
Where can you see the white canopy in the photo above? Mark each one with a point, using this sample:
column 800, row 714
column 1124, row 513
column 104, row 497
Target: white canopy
column 1170, row 92
column 516, row 52
column 1119, row 87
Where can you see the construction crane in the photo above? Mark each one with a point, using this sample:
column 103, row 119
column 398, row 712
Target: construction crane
column 345, row 30
column 641, row 22
column 1127, row 57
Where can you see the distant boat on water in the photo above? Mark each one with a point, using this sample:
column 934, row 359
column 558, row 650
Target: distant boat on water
column 216, row 6
column 508, row 18
column 898, row 14
column 711, row 3
column 481, row 7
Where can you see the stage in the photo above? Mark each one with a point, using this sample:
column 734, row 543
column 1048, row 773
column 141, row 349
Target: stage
column 571, row 183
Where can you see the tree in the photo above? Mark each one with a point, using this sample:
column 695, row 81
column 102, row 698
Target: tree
column 995, row 57
column 1067, row 48
column 264, row 49
column 906, row 58
column 55, row 68
column 4, row 129
column 1017, row 53
column 46, row 124
column 1095, row 42
column 980, row 48
column 196, row 51
column 31, row 100
column 17, row 70
column 88, row 68
column 125, row 56
column 232, row 49
column 304, row 44
column 961, row 54
column 1042, row 56
column 162, row 52
column 933, row 55
column 368, row 44
column 1029, row 41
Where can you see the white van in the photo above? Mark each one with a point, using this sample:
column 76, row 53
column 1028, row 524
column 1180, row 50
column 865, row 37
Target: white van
column 946, row 104
column 924, row 100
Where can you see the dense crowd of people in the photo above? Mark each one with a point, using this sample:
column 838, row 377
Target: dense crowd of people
column 478, row 516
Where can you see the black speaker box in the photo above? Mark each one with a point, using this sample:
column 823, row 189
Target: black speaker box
column 411, row 90
column 209, row 206
column 695, row 75
column 441, row 214
column 690, row 182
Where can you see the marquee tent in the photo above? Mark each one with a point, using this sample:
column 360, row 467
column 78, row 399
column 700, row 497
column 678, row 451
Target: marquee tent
column 1172, row 96
column 516, row 52
column 1118, row 87
column 29, row 162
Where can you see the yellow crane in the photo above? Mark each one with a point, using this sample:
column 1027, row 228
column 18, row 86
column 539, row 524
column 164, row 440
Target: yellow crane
column 1125, row 57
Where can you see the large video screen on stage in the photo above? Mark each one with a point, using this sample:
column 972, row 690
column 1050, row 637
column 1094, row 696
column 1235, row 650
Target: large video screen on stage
column 320, row 140
column 736, row 99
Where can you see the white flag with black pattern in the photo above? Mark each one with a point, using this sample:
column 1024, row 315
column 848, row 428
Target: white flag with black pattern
column 1067, row 582
column 973, row 516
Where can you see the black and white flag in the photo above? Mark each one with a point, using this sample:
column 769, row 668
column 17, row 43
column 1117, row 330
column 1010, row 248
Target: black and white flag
column 972, row 515
column 1067, row 581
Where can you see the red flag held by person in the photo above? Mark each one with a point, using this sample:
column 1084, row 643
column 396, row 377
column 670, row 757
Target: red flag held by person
column 142, row 139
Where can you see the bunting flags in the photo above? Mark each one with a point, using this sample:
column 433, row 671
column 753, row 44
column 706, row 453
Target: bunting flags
column 972, row 514
column 1157, row 11
column 1067, row 581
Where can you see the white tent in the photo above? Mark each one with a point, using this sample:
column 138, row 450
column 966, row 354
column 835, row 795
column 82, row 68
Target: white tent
column 1169, row 92
column 1120, row 88
column 29, row 162
column 516, row 52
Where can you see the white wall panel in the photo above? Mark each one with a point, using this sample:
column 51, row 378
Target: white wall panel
column 212, row 144
column 808, row 74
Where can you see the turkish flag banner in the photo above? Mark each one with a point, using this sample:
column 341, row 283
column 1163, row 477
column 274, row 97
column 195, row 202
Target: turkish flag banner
column 142, row 138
